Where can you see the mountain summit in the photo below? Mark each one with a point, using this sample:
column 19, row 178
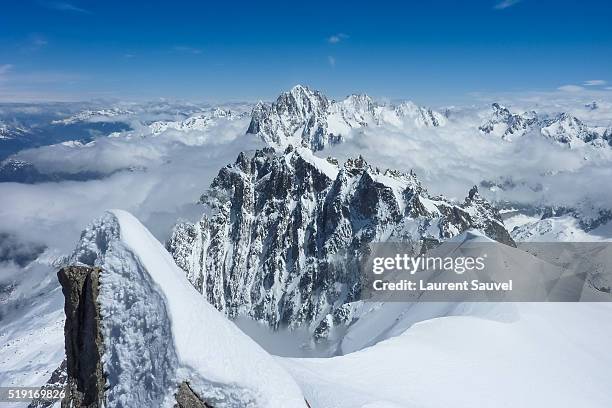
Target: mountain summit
column 306, row 117
column 285, row 232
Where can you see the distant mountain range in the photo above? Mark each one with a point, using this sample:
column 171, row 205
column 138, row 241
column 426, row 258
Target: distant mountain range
column 308, row 118
column 563, row 128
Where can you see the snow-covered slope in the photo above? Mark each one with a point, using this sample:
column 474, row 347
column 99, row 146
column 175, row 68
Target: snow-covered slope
column 364, row 323
column 158, row 331
column 199, row 122
column 93, row 115
column 305, row 117
column 530, row 355
column 31, row 323
column 565, row 228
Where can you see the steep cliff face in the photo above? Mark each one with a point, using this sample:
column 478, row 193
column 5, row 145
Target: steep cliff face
column 84, row 344
column 286, row 232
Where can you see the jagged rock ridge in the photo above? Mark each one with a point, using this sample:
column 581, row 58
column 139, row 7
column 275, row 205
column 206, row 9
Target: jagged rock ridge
column 563, row 128
column 305, row 117
column 286, row 231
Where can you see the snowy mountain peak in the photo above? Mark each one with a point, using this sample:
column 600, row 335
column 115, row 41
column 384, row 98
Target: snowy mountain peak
column 305, row 117
column 500, row 111
column 507, row 125
column 567, row 129
column 10, row 131
column 473, row 193
column 301, row 101
column 422, row 117
column 359, row 102
column 284, row 232
column 564, row 128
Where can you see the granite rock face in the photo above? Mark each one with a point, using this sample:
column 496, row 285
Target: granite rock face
column 285, row 232
column 83, row 338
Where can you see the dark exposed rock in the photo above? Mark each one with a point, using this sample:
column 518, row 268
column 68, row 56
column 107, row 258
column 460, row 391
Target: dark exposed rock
column 481, row 213
column 187, row 398
column 57, row 381
column 83, row 338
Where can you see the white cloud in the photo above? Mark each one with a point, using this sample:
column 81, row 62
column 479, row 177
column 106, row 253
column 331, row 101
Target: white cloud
column 34, row 42
column 446, row 161
column 192, row 158
column 64, row 6
column 505, row 4
column 570, row 88
column 39, row 42
column 595, row 82
column 332, row 61
column 335, row 39
column 4, row 69
column 187, row 49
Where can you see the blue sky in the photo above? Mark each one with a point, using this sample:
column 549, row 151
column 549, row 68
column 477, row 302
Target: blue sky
column 429, row 51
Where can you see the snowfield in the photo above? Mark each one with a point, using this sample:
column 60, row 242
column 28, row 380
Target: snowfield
column 510, row 355
column 159, row 331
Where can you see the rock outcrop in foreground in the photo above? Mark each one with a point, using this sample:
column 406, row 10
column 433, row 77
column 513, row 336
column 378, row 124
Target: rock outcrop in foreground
column 84, row 345
column 139, row 335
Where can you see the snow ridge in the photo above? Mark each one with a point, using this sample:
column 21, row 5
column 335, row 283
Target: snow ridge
column 158, row 331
